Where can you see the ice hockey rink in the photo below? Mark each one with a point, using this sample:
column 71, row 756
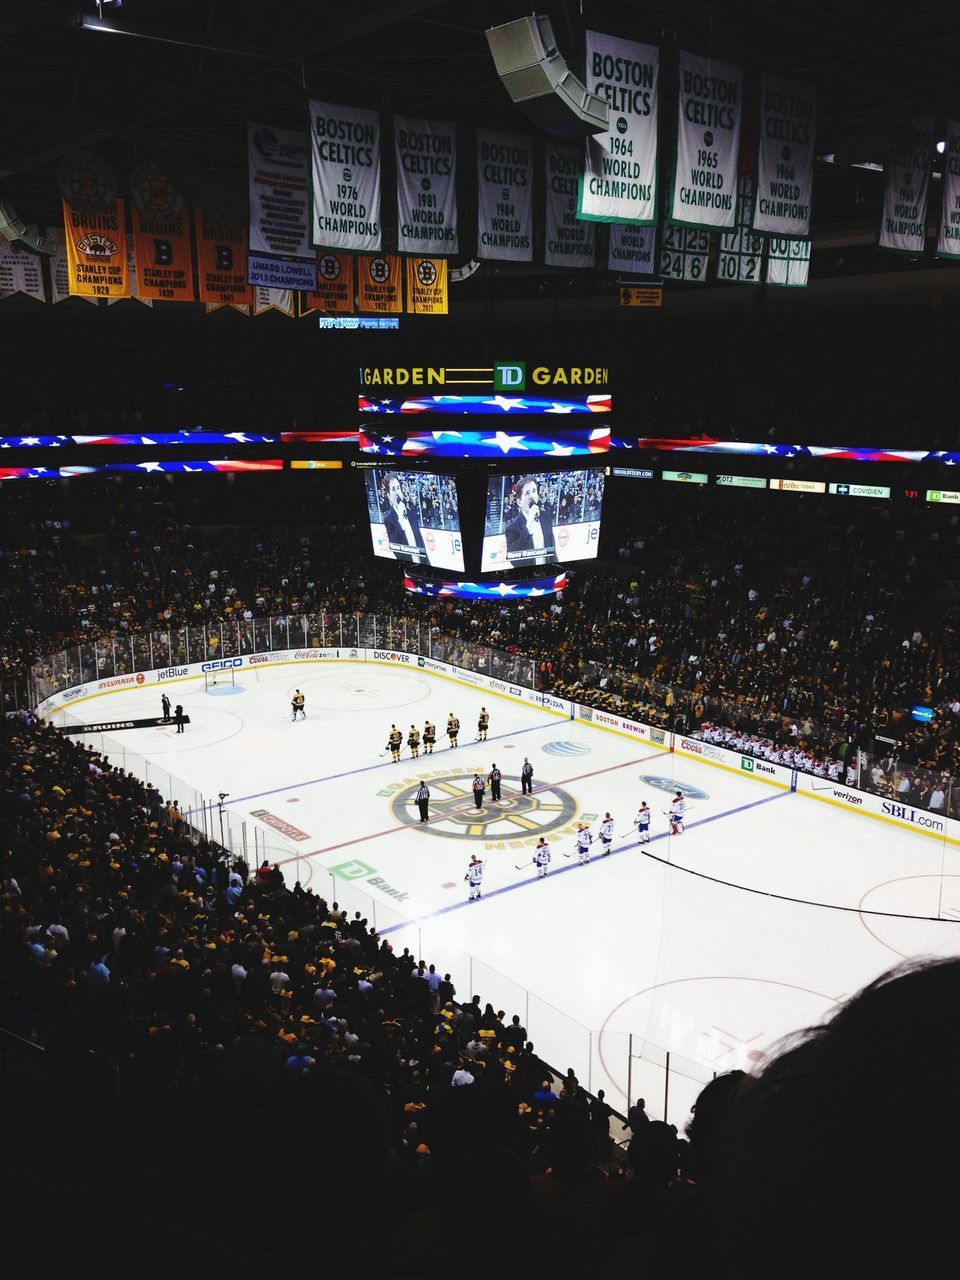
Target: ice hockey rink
column 706, row 946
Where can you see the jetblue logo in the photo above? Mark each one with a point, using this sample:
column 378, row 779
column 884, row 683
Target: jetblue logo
column 173, row 673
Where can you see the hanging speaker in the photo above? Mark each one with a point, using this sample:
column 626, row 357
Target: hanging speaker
column 13, row 227
column 539, row 81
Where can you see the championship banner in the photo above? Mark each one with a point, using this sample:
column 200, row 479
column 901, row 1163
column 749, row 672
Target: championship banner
column 164, row 263
column 426, row 154
column 741, row 251
column 788, row 128
column 132, row 269
column 379, row 285
column 948, row 242
column 504, row 196
column 97, row 252
column 221, row 262
column 280, row 254
column 335, row 288
column 568, row 241
column 903, row 228
column 20, row 270
column 632, row 250
column 59, row 270
column 788, row 262
column 345, row 146
column 619, row 182
column 710, row 105
column 265, row 299
column 427, row 286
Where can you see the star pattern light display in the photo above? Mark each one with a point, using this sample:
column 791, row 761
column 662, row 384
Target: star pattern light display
column 485, row 590
column 489, row 405
column 206, row 465
column 833, row 452
column 135, row 441
column 485, row 444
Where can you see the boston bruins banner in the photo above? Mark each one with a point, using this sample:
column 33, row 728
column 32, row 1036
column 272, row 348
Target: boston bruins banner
column 379, row 285
column 904, row 225
column 619, row 182
column 426, row 154
column 948, row 242
column 335, row 287
column 97, row 252
column 280, row 255
column 164, row 263
column 20, row 270
column 708, row 143
column 345, row 146
column 221, row 262
column 568, row 241
column 632, row 250
column 427, row 286
column 60, row 270
column 504, row 195
column 788, row 127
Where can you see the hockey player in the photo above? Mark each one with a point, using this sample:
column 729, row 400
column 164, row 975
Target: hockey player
column 642, row 822
column 474, row 876
column 677, row 809
column 297, row 703
column 413, row 741
column 453, row 728
column 429, row 737
column 541, row 858
column 584, row 841
column 394, row 743
column 495, row 777
column 483, row 724
column 606, row 835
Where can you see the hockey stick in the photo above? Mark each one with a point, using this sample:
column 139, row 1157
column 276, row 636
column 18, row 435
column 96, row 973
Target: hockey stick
column 524, row 864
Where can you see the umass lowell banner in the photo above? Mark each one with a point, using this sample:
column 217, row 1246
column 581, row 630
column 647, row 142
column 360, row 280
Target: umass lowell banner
column 788, row 126
column 710, row 104
column 345, row 170
column 426, row 155
column 279, row 252
column 619, row 183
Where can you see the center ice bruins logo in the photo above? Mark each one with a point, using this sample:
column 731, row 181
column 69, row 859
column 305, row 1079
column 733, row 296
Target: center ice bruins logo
column 452, row 813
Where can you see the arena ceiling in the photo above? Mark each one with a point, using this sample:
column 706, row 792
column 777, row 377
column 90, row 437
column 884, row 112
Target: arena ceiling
column 176, row 80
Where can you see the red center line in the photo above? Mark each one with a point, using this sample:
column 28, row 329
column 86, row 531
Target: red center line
column 404, row 826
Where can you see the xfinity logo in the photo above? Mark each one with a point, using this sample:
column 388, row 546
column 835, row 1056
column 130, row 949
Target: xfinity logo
column 222, row 664
column 172, row 673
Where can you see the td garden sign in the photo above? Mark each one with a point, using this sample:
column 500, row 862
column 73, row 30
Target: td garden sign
column 506, row 375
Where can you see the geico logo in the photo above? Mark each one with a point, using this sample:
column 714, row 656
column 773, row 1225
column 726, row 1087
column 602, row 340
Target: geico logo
column 172, row 673
column 222, row 664
column 257, row 658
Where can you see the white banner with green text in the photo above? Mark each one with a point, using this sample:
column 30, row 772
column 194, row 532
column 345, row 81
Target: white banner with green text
column 710, row 113
column 788, row 127
column 948, row 242
column 903, row 228
column 426, row 153
column 504, row 196
column 632, row 250
column 568, row 240
column 345, row 148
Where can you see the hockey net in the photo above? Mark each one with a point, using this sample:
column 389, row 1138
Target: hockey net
column 213, row 678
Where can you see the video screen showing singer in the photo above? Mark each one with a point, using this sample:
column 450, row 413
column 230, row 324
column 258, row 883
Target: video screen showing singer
column 402, row 525
column 529, row 529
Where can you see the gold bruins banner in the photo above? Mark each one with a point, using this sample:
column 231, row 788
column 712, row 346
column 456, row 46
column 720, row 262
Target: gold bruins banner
column 379, row 285
column 335, row 287
column 222, row 261
column 427, row 286
column 97, row 252
column 162, row 252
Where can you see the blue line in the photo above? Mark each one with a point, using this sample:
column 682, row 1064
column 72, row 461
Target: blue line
column 348, row 773
column 624, row 848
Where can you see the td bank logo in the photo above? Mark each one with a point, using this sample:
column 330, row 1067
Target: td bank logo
column 746, row 764
column 353, row 870
column 510, row 377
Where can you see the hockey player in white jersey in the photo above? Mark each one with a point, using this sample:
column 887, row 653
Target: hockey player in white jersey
column 474, row 876
column 606, row 835
column 678, row 807
column 541, row 858
column 584, row 841
column 642, row 822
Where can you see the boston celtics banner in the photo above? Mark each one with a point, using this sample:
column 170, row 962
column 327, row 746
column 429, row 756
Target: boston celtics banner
column 948, row 242
column 345, row 143
column 279, row 253
column 504, row 196
column 904, row 225
column 708, row 143
column 788, row 126
column 620, row 172
column 632, row 250
column 426, row 153
column 568, row 241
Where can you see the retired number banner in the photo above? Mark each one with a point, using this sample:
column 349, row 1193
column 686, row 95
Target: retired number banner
column 568, row 240
column 708, row 143
column 632, row 250
column 788, row 127
column 504, row 191
column 97, row 252
column 345, row 143
column 426, row 154
column 948, row 242
column 280, row 254
column 904, row 225
column 619, row 181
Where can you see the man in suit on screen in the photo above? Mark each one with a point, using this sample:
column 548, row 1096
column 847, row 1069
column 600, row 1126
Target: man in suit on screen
column 529, row 530
column 403, row 526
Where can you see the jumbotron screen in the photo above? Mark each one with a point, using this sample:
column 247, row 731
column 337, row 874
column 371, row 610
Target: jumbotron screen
column 415, row 517
column 541, row 518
